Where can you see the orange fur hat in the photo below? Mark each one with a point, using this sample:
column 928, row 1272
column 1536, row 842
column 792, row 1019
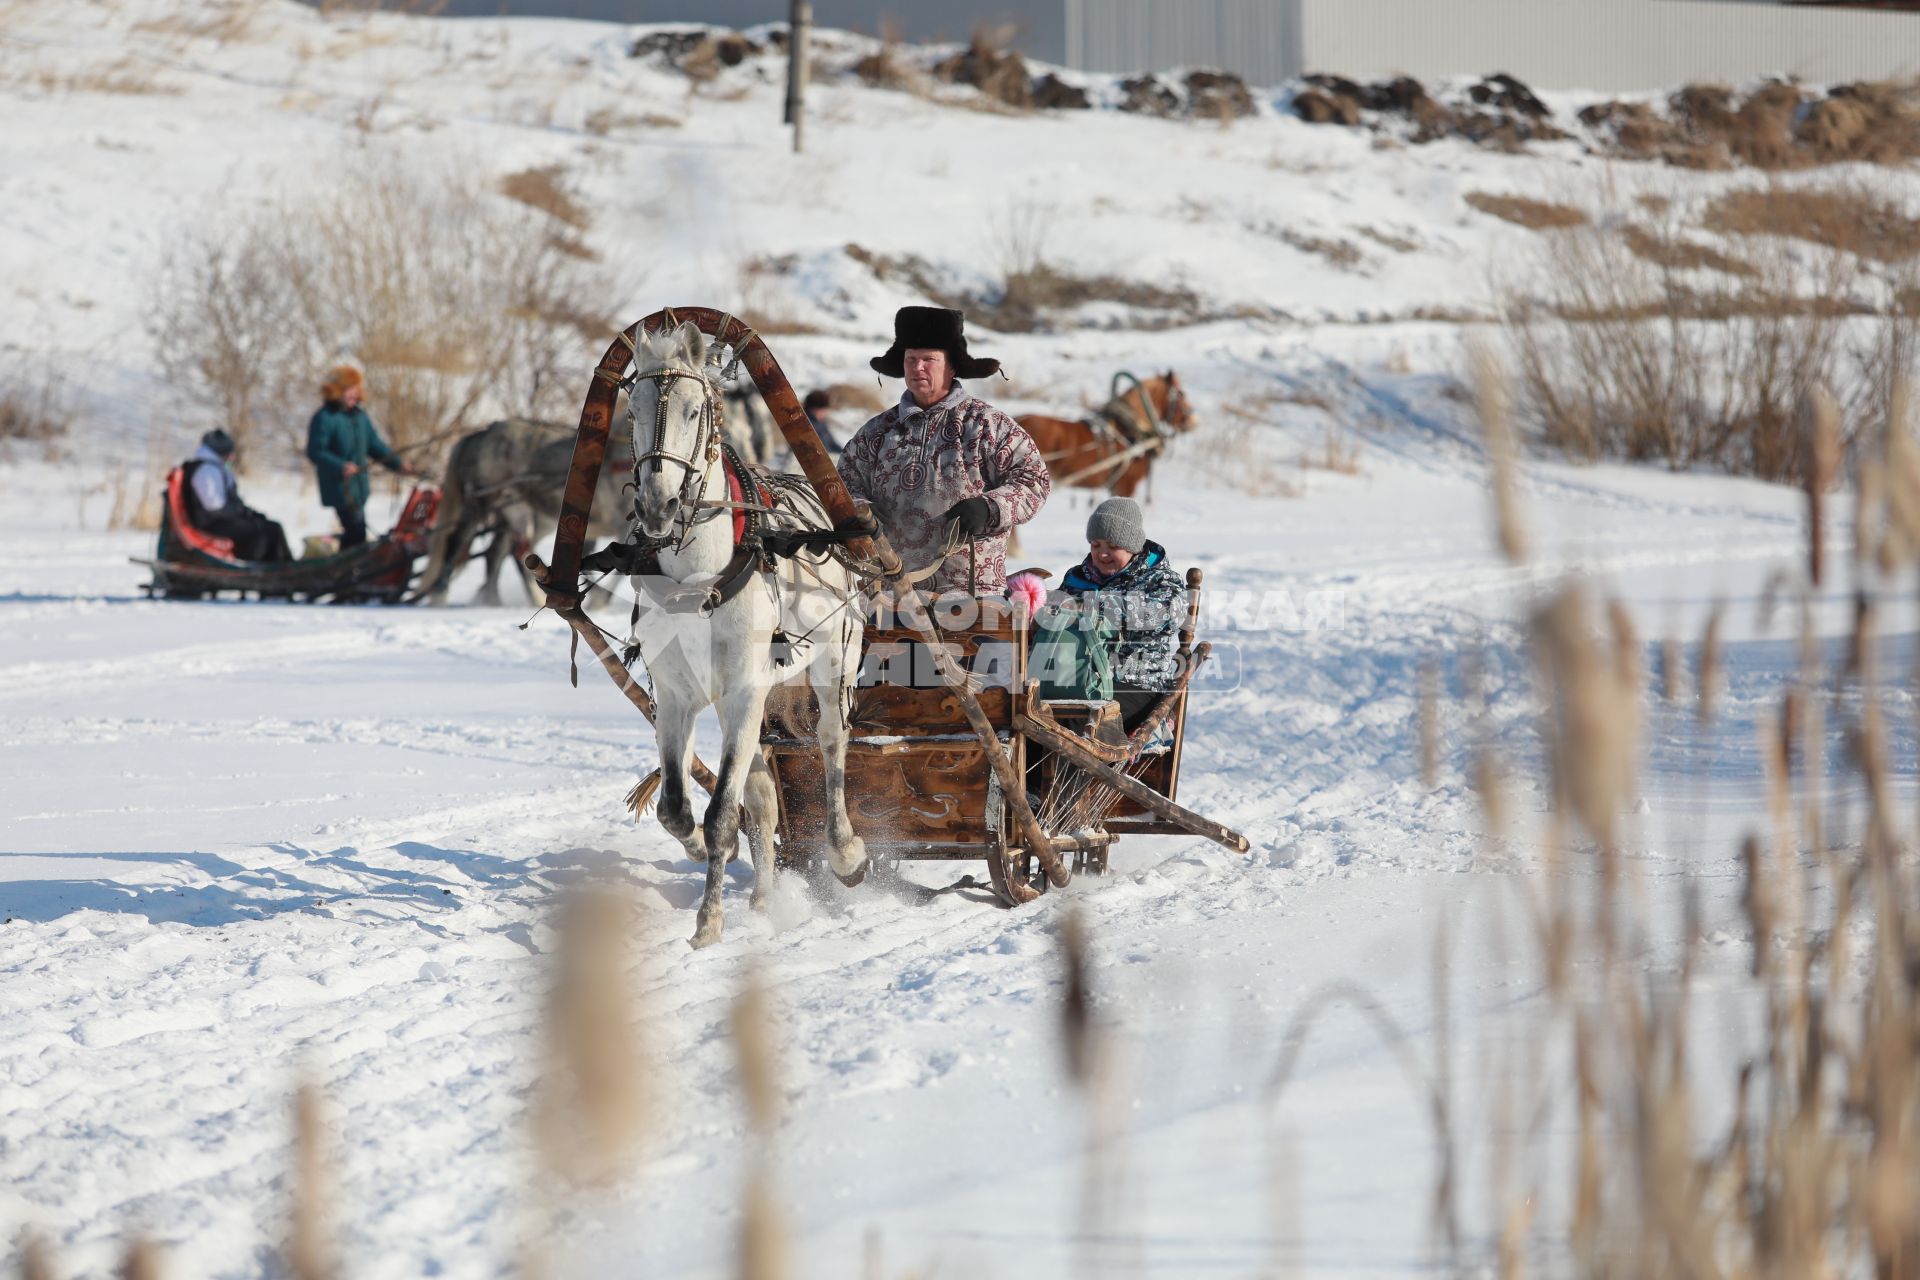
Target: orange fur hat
column 338, row 379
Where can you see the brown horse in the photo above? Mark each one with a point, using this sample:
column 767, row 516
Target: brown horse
column 1115, row 448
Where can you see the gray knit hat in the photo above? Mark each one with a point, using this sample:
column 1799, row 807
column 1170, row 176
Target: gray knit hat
column 1118, row 520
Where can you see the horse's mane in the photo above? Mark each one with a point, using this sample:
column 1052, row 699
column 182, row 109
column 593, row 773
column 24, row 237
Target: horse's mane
column 667, row 349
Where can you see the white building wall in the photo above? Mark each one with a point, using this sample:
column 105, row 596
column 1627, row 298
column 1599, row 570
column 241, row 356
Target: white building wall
column 1607, row 45
column 1259, row 39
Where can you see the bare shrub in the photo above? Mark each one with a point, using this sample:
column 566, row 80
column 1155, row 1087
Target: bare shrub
column 1619, row 352
column 456, row 302
column 1535, row 215
column 888, row 67
column 35, row 406
column 1023, row 232
column 991, row 65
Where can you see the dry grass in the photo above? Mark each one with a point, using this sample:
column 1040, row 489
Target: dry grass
column 222, row 21
column 1389, row 240
column 1344, row 255
column 547, row 189
column 609, row 119
column 1339, row 453
column 125, row 76
column 1535, row 215
column 1850, row 219
column 1664, row 249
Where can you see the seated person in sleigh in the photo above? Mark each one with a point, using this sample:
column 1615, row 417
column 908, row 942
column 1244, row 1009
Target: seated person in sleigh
column 1112, row 630
column 212, row 502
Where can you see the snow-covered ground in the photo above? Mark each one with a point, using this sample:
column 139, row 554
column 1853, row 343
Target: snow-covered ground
column 250, row 844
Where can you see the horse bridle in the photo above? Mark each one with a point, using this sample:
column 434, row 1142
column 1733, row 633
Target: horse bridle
column 706, row 445
column 1176, row 400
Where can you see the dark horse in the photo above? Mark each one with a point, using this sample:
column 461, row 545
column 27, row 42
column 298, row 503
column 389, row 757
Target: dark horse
column 1115, row 448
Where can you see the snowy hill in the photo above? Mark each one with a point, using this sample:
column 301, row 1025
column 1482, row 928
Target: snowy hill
column 247, row 845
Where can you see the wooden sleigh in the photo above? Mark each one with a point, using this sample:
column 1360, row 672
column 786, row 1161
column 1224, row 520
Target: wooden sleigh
column 955, row 756
column 189, row 564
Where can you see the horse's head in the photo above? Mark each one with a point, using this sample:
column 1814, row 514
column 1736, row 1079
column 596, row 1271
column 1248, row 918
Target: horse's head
column 673, row 417
column 1171, row 401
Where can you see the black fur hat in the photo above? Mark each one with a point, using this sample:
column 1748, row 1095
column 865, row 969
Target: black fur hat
column 936, row 329
column 218, row 441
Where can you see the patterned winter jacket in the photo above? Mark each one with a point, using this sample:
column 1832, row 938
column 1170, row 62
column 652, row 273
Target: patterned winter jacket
column 914, row 464
column 1146, row 602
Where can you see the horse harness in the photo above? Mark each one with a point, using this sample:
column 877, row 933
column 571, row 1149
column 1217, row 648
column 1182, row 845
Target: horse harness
column 751, row 496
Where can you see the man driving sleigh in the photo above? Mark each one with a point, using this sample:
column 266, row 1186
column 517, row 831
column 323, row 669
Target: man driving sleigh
column 948, row 475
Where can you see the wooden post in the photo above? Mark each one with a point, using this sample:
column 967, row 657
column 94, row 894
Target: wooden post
column 799, row 29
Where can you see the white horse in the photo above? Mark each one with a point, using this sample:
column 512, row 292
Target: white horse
column 702, row 652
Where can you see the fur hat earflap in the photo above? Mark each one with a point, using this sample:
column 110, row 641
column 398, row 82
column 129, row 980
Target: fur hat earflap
column 338, row 380
column 932, row 329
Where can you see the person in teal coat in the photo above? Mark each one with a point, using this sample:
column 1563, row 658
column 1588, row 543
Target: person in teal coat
column 341, row 442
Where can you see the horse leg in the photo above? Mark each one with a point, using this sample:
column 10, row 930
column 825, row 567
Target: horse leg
column 673, row 726
column 763, row 813
column 497, row 547
column 740, row 713
column 832, row 676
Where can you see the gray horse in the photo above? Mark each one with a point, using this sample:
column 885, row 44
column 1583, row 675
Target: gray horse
column 505, row 481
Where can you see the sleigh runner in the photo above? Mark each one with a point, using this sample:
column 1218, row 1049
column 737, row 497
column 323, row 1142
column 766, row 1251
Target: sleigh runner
column 961, row 759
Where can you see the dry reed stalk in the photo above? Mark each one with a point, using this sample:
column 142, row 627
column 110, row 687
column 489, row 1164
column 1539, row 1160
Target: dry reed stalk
column 1823, row 465
column 1496, row 427
column 141, row 1261
column 764, row 1252
column 1429, row 725
column 1900, row 490
column 1594, row 723
column 592, row 1106
column 1489, row 784
column 1711, row 658
column 308, row 1256
column 36, row 1258
column 1077, row 1033
column 752, row 1026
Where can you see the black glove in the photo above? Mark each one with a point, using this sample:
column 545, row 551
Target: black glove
column 971, row 517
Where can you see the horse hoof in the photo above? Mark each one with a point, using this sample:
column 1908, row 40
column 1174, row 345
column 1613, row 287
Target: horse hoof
column 855, row 877
column 704, row 938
